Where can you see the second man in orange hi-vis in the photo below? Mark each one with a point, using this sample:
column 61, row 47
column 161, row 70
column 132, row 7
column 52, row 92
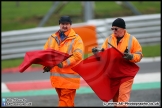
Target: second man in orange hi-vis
column 63, row 78
column 127, row 44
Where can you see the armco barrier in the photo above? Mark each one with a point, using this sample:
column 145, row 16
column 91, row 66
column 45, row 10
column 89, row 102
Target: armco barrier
column 146, row 28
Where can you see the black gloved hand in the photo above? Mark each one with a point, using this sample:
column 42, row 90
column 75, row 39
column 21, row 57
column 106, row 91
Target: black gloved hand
column 128, row 56
column 60, row 65
column 46, row 69
column 95, row 50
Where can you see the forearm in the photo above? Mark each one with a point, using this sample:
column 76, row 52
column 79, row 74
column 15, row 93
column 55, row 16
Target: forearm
column 136, row 58
column 75, row 58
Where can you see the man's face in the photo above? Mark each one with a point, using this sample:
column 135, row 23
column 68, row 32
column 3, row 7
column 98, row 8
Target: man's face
column 117, row 31
column 65, row 26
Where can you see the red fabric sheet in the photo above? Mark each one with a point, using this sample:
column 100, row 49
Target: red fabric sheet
column 47, row 57
column 105, row 72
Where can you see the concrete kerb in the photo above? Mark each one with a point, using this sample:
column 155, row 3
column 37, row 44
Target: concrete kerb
column 150, row 59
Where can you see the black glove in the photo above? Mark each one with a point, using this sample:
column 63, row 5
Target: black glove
column 128, row 56
column 60, row 65
column 46, row 69
column 95, row 50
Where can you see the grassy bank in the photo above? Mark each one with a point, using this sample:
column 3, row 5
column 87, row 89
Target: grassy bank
column 16, row 15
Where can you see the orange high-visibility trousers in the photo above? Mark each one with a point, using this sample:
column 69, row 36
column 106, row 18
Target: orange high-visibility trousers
column 123, row 95
column 66, row 96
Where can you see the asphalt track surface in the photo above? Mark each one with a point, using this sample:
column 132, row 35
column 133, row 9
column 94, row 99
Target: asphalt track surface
column 89, row 99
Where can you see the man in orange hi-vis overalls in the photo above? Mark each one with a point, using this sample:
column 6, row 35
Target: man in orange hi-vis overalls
column 127, row 44
column 63, row 78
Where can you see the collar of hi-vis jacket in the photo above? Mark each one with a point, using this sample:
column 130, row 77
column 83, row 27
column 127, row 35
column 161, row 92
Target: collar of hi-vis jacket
column 126, row 34
column 70, row 34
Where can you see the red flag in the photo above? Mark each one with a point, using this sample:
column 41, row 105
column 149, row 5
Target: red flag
column 47, row 57
column 105, row 72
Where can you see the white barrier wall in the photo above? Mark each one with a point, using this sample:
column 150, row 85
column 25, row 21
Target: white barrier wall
column 146, row 28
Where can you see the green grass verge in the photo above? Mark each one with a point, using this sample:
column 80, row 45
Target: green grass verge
column 152, row 50
column 16, row 15
column 148, row 51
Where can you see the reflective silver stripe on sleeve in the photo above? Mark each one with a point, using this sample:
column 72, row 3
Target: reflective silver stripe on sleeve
column 64, row 75
column 80, row 41
column 78, row 50
column 68, row 61
column 69, row 49
column 140, row 53
column 70, row 46
column 130, row 42
column 76, row 35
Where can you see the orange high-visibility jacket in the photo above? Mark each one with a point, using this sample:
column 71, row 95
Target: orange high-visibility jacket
column 65, row 77
column 128, row 41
